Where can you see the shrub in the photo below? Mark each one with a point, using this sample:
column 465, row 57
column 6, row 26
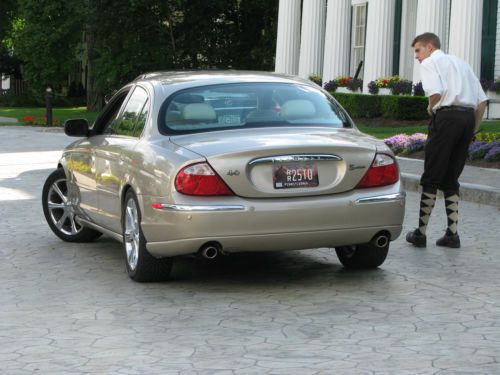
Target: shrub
column 25, row 100
column 488, row 137
column 359, row 105
column 404, row 107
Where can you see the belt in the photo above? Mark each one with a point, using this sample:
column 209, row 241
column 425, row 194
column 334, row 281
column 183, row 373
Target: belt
column 455, row 108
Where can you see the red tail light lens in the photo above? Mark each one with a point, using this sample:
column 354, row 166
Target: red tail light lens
column 200, row 179
column 383, row 171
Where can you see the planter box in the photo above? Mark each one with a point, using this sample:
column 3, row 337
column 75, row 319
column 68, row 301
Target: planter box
column 492, row 94
column 384, row 91
column 343, row 90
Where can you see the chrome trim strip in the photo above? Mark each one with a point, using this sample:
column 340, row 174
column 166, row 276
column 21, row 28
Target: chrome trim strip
column 294, row 158
column 381, row 198
column 186, row 207
column 98, row 228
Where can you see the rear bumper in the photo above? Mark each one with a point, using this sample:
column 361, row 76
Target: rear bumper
column 240, row 224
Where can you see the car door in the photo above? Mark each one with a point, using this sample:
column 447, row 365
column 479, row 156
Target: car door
column 82, row 164
column 114, row 152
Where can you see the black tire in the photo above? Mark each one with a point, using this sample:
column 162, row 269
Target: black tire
column 60, row 213
column 141, row 265
column 363, row 256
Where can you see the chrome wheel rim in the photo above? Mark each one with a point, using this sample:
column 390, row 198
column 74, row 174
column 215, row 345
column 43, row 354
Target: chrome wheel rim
column 132, row 236
column 61, row 210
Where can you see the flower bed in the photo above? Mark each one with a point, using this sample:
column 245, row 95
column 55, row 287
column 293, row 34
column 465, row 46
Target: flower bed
column 479, row 151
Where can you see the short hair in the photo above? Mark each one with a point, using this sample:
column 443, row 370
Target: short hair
column 427, row 38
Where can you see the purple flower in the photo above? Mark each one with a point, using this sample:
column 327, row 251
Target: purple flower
column 478, row 149
column 372, row 87
column 417, row 142
column 418, row 89
column 402, row 87
column 397, row 143
column 494, row 153
column 331, row 86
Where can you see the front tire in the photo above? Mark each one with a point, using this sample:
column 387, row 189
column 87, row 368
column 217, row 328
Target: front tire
column 60, row 212
column 141, row 265
column 363, row 256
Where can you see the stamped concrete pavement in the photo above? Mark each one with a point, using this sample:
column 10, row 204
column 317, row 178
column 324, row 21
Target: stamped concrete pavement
column 71, row 309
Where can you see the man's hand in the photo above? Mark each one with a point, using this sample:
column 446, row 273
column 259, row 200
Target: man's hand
column 433, row 100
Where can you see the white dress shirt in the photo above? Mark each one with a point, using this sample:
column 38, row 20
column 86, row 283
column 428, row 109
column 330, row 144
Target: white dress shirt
column 453, row 79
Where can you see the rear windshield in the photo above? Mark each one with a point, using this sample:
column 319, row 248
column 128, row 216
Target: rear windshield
column 248, row 105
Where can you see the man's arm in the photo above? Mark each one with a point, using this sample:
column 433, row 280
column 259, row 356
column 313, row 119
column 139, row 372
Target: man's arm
column 479, row 115
column 433, row 100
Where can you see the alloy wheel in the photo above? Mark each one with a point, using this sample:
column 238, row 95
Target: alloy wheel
column 132, row 234
column 61, row 209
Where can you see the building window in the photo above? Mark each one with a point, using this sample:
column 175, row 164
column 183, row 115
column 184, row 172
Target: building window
column 358, row 37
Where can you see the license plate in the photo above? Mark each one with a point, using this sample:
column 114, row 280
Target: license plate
column 295, row 176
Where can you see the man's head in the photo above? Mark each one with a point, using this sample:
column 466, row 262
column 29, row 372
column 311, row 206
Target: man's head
column 424, row 44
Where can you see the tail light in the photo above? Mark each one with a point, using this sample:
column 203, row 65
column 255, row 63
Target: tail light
column 200, row 179
column 383, row 171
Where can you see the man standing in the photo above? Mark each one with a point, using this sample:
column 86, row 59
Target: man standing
column 456, row 106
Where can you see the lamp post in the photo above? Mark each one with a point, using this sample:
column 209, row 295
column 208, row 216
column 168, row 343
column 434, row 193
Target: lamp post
column 49, row 95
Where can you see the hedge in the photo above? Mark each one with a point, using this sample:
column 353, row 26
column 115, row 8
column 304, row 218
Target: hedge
column 359, row 105
column 404, row 107
column 10, row 100
column 398, row 107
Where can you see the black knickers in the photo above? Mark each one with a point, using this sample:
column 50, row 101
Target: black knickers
column 450, row 133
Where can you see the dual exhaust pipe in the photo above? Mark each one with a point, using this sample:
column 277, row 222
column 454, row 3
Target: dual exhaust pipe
column 211, row 250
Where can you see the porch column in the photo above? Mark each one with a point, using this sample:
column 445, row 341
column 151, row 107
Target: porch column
column 465, row 32
column 432, row 16
column 337, row 39
column 379, row 40
column 408, row 29
column 312, row 37
column 288, row 38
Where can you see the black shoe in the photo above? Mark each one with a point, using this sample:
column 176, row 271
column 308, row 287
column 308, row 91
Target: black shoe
column 416, row 238
column 452, row 241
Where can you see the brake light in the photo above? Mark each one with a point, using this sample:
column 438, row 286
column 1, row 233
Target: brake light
column 383, row 171
column 200, row 179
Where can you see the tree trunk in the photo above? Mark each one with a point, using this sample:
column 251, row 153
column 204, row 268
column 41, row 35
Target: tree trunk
column 95, row 98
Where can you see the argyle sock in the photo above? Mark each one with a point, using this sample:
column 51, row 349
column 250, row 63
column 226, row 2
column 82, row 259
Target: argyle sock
column 451, row 202
column 427, row 201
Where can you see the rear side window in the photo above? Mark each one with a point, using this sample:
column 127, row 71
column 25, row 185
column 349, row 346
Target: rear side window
column 131, row 121
column 247, row 105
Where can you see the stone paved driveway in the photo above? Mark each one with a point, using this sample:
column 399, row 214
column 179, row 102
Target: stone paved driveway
column 71, row 309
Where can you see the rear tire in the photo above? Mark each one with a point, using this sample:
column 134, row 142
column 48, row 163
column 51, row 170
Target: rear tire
column 59, row 211
column 141, row 265
column 363, row 256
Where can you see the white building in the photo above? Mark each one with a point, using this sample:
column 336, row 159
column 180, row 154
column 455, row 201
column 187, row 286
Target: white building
column 331, row 37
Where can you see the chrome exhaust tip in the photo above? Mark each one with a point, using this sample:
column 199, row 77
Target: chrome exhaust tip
column 210, row 250
column 381, row 240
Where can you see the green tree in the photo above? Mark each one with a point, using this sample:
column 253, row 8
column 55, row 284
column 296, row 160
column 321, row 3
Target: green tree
column 46, row 36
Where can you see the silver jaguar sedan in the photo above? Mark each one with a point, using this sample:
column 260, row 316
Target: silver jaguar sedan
column 223, row 162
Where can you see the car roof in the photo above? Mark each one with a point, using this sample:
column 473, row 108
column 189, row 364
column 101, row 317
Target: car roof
column 217, row 76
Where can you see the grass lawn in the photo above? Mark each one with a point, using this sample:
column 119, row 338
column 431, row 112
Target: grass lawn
column 380, row 131
column 383, row 132
column 59, row 114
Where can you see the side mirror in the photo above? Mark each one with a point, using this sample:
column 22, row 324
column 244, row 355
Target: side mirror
column 77, row 127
